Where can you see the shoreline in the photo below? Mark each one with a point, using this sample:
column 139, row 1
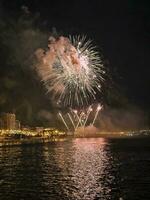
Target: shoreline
column 10, row 141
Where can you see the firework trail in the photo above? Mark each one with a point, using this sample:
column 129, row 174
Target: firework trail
column 71, row 120
column 63, row 121
column 87, row 116
column 80, row 117
column 71, row 69
column 80, row 120
column 99, row 107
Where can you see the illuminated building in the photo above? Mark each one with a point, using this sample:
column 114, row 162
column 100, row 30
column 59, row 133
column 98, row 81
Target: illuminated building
column 8, row 121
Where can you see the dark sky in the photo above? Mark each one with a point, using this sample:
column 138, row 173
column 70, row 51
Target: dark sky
column 120, row 28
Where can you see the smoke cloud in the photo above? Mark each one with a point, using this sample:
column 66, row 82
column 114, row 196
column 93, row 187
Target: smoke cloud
column 122, row 119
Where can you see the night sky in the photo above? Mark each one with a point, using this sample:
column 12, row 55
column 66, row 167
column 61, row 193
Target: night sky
column 121, row 30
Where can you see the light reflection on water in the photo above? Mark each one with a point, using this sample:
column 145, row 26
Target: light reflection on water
column 84, row 166
column 79, row 169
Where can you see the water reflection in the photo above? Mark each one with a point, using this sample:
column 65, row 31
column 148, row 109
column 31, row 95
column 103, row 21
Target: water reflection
column 90, row 162
column 79, row 169
column 84, row 169
column 76, row 170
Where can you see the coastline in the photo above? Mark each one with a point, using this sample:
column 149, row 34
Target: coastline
column 11, row 141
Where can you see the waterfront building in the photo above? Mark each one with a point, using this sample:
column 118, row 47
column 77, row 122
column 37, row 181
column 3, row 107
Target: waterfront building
column 8, row 121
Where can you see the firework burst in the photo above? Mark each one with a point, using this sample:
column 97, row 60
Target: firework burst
column 71, row 69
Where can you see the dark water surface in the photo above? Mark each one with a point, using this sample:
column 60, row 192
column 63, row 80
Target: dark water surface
column 78, row 169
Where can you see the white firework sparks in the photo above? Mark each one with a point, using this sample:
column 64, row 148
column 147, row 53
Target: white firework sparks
column 71, row 69
column 80, row 118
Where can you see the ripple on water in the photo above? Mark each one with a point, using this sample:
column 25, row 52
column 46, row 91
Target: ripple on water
column 79, row 169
